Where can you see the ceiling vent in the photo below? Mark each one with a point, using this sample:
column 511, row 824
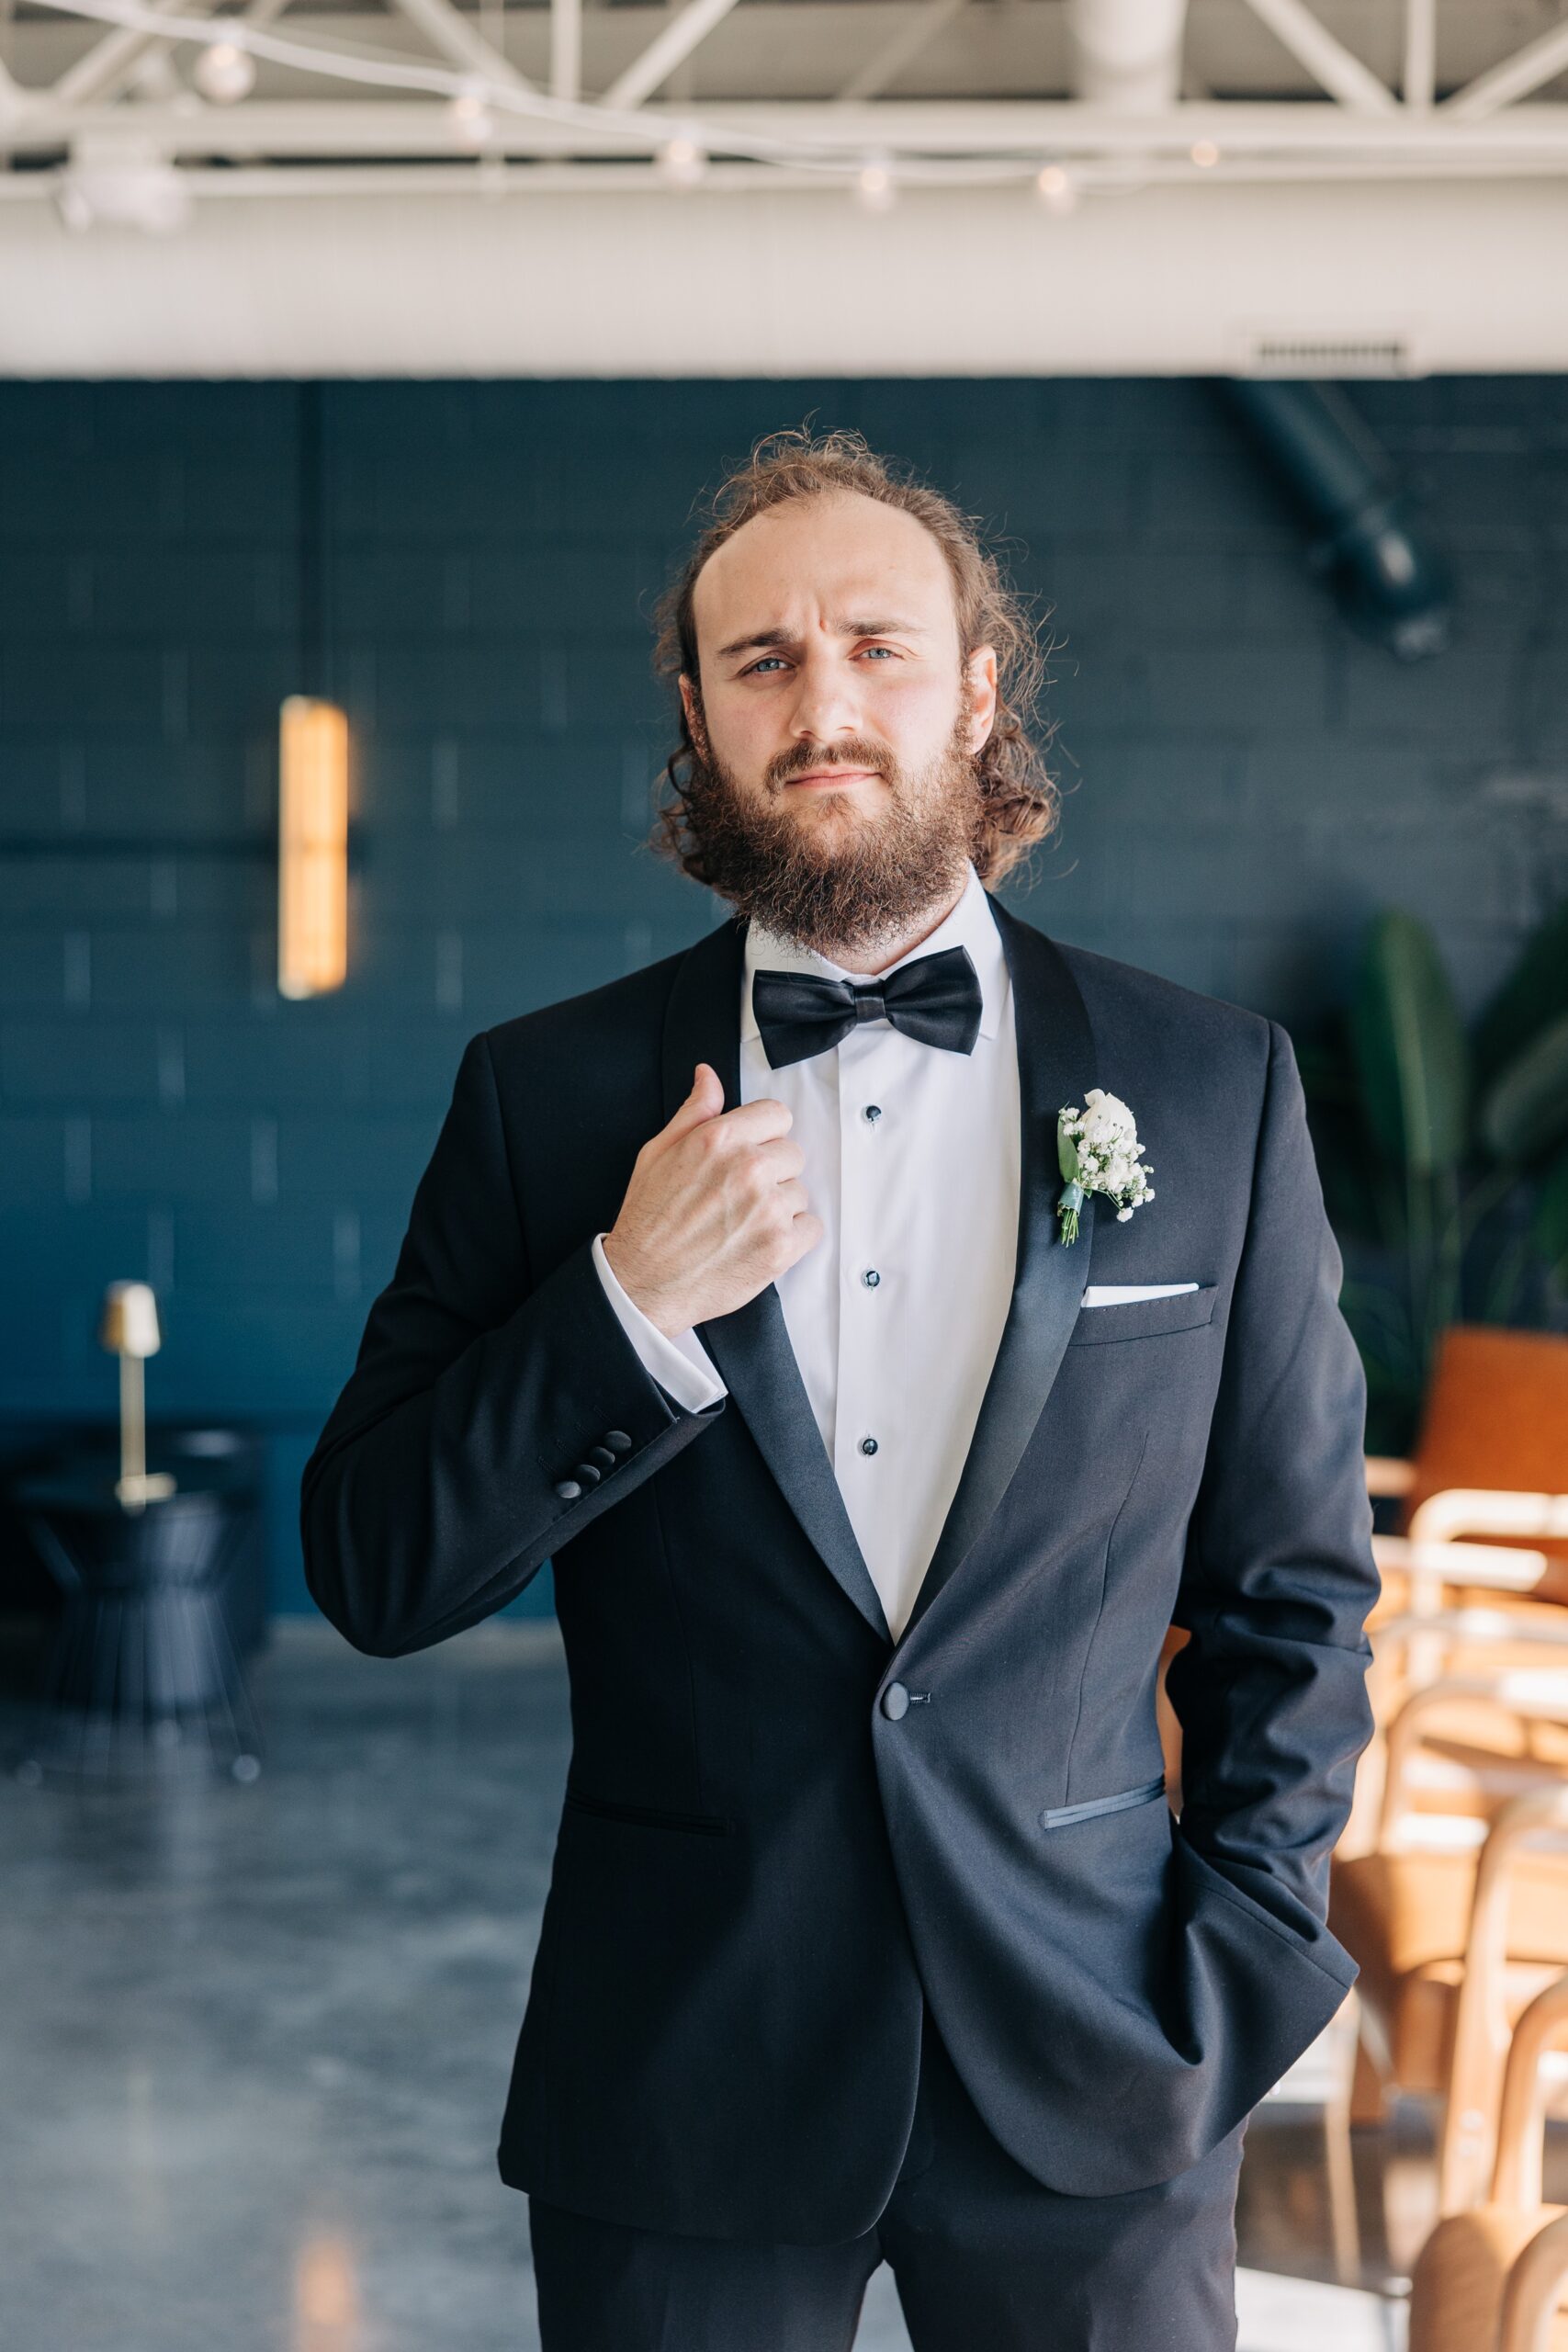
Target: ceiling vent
column 1327, row 354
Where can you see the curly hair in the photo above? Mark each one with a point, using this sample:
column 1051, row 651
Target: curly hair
column 1019, row 804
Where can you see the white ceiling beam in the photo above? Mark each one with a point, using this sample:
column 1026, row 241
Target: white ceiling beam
column 1541, row 61
column 1311, row 43
column 919, row 28
column 451, row 34
column 1127, row 53
column 91, row 76
column 1003, row 130
column 151, row 45
column 669, row 48
column 1168, row 281
column 1418, row 83
column 566, row 50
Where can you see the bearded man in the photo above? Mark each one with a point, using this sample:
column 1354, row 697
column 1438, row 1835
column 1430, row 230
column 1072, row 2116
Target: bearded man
column 753, row 1290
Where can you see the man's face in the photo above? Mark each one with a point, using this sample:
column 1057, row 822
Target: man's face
column 835, row 723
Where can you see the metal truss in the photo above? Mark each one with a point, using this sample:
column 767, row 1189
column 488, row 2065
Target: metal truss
column 165, row 99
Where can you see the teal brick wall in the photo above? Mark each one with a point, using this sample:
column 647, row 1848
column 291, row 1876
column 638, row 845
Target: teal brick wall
column 1246, row 781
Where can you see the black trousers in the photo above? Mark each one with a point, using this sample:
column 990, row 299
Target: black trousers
column 984, row 2259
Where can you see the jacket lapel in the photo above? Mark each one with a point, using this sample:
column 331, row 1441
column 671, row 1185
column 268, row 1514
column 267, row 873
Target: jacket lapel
column 1056, row 1066
column 751, row 1346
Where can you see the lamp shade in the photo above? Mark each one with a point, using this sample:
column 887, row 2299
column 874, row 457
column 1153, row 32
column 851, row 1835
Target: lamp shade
column 130, row 1323
column 312, row 847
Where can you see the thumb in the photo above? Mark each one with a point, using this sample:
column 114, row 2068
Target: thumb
column 705, row 1101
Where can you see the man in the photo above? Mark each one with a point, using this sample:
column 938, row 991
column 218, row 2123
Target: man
column 741, row 1287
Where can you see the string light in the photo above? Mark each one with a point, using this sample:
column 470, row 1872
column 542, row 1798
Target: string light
column 470, row 118
column 224, row 73
column 681, row 160
column 1058, row 188
column 875, row 186
column 1205, row 155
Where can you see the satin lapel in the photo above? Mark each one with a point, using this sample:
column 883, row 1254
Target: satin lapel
column 751, row 1346
column 1055, row 1065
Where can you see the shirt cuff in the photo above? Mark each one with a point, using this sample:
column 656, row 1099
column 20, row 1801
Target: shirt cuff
column 679, row 1361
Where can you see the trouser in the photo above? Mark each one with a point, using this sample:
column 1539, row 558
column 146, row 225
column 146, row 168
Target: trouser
column 984, row 2258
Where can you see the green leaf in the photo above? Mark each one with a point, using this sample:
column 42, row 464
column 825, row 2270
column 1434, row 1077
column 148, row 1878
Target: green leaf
column 1534, row 995
column 1526, row 1110
column 1548, row 1226
column 1411, row 1053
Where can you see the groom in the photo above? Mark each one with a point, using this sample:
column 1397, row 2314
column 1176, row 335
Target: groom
column 738, row 1288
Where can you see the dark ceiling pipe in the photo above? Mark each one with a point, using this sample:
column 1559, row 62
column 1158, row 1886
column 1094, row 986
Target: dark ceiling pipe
column 1389, row 586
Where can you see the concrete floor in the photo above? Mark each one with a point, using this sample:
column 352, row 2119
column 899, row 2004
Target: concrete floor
column 256, row 2040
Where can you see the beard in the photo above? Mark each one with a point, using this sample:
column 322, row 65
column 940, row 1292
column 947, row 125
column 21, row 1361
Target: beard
column 846, row 887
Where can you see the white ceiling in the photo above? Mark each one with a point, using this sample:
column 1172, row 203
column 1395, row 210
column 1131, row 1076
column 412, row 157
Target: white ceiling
column 755, row 185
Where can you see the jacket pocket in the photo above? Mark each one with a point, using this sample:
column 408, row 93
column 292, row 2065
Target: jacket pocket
column 1058, row 1816
column 648, row 1817
column 1144, row 1318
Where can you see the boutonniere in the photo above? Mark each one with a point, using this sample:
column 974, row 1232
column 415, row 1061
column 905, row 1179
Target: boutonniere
column 1097, row 1151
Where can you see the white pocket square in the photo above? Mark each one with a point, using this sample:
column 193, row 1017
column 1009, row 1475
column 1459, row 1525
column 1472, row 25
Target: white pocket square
column 1122, row 1293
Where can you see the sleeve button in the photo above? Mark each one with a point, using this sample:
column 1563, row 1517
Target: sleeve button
column 618, row 1441
column 601, row 1455
column 586, row 1471
column 568, row 1489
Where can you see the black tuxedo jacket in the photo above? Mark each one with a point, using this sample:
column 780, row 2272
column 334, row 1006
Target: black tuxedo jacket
column 782, row 1831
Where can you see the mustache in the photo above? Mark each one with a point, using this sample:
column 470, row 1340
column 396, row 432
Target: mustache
column 805, row 760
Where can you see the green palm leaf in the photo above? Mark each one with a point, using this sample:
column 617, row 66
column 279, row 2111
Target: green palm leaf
column 1550, row 1226
column 1525, row 1112
column 1534, row 994
column 1412, row 1056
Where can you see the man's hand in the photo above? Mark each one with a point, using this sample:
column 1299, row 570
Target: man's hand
column 714, row 1209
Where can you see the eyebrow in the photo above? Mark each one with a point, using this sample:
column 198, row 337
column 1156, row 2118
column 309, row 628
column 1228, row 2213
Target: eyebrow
column 771, row 637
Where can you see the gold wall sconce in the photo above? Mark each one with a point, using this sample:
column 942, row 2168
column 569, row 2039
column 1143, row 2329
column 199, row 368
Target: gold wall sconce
column 312, row 847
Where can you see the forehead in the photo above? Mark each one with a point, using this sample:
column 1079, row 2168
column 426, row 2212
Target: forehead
column 829, row 557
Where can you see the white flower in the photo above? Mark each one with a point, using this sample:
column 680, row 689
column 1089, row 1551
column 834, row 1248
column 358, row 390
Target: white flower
column 1097, row 1151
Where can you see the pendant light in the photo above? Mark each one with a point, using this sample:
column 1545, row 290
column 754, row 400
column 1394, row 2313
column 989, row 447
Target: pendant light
column 312, row 796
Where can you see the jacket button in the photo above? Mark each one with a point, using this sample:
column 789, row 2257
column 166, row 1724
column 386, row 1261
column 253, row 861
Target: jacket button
column 618, row 1441
column 568, row 1489
column 895, row 1702
column 601, row 1455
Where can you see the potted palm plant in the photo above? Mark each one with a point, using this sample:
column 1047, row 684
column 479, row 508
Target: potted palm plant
column 1443, row 1151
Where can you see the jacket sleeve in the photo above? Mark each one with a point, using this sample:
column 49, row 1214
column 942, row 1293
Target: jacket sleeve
column 433, row 1495
column 1279, row 1575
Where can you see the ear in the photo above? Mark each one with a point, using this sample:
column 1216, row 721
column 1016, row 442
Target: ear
column 980, row 682
column 691, row 703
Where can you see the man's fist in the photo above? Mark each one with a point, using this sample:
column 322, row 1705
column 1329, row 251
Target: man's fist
column 714, row 1211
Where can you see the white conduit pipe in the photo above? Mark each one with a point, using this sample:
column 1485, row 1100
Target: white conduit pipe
column 1127, row 53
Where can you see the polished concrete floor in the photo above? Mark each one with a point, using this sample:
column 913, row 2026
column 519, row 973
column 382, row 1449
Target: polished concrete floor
column 255, row 2039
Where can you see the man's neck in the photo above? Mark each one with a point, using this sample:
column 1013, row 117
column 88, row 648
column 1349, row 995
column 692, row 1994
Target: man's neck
column 877, row 958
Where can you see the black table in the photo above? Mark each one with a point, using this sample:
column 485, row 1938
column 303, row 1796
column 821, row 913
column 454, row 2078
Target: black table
column 142, row 1664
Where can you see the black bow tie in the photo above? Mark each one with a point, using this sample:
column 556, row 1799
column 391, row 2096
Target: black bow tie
column 935, row 999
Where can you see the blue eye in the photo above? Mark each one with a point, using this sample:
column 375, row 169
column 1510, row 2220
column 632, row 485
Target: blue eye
column 757, row 667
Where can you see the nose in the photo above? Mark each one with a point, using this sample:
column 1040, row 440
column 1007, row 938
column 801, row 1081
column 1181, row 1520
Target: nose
column 826, row 706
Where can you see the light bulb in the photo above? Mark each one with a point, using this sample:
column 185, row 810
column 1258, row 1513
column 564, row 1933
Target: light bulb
column 681, row 161
column 1205, row 155
column 1058, row 188
column 875, row 186
column 224, row 73
column 470, row 118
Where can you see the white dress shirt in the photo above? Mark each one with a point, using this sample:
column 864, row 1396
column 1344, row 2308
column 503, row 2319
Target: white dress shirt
column 912, row 1165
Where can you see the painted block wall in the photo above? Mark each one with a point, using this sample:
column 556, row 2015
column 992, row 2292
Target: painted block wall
column 1246, row 781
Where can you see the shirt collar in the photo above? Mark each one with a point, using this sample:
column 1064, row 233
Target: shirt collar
column 971, row 924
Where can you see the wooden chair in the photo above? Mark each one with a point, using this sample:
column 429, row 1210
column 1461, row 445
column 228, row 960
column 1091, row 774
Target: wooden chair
column 1468, row 1611
column 1496, row 2279
column 1456, row 1926
column 1495, row 1417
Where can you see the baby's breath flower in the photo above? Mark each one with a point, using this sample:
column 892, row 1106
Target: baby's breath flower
column 1097, row 1151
